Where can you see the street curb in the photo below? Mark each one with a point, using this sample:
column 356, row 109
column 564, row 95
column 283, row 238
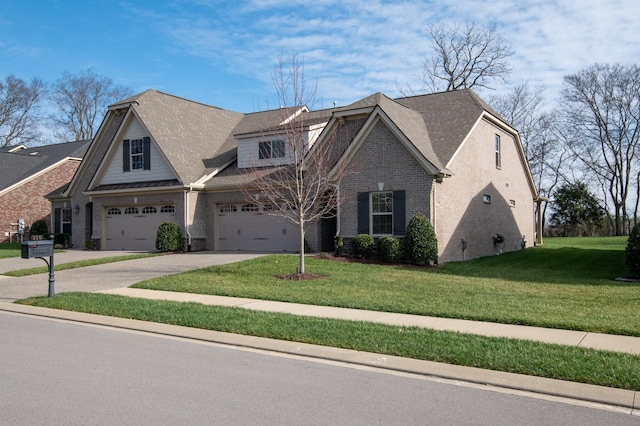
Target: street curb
column 516, row 382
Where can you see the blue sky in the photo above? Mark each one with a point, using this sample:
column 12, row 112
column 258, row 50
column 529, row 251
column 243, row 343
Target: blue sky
column 223, row 53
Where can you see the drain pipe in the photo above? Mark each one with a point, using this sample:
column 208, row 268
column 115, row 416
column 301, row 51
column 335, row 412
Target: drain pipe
column 186, row 216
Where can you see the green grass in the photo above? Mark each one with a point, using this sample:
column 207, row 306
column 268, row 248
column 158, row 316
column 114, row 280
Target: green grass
column 78, row 264
column 567, row 283
column 9, row 250
column 516, row 356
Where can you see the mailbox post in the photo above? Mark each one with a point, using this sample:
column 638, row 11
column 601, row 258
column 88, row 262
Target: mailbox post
column 40, row 249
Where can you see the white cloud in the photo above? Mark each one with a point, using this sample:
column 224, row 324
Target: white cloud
column 357, row 47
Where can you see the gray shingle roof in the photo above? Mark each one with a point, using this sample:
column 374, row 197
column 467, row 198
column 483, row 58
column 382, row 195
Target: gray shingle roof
column 19, row 165
column 194, row 137
column 449, row 116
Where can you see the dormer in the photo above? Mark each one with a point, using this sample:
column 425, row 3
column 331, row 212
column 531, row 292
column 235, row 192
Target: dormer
column 271, row 144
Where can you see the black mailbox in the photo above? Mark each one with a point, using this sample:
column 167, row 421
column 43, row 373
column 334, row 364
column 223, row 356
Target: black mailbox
column 31, row 249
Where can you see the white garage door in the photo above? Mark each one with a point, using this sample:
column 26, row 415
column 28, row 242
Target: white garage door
column 135, row 227
column 249, row 227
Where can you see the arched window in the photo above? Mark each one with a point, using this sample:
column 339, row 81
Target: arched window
column 131, row 210
column 149, row 210
column 167, row 209
column 114, row 211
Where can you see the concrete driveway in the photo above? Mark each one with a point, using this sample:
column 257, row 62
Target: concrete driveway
column 103, row 277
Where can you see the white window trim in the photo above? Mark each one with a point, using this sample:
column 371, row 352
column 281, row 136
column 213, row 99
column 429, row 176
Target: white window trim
column 372, row 213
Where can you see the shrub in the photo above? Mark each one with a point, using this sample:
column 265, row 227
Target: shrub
column 421, row 244
column 39, row 227
column 169, row 237
column 362, row 245
column 62, row 240
column 389, row 249
column 632, row 252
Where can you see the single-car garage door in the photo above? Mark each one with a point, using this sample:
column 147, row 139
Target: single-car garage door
column 135, row 227
column 250, row 227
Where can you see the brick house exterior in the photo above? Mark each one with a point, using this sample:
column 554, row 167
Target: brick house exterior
column 449, row 156
column 29, row 174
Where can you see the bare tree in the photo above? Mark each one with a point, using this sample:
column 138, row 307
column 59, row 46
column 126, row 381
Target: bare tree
column 465, row 57
column 542, row 141
column 79, row 99
column 19, row 102
column 304, row 189
column 602, row 113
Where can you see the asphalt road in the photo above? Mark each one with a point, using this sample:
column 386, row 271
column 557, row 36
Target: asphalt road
column 60, row 373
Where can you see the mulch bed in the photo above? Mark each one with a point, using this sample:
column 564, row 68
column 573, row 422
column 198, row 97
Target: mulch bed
column 371, row 261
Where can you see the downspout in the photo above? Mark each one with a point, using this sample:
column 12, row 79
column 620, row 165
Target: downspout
column 186, row 216
column 337, row 209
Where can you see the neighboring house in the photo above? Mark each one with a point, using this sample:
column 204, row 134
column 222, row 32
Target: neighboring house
column 28, row 175
column 157, row 157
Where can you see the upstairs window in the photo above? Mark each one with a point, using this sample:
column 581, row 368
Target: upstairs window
column 497, row 149
column 136, row 154
column 271, row 149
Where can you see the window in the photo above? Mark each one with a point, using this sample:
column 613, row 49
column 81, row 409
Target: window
column 113, row 211
column 136, row 154
column 66, row 220
column 486, row 199
column 497, row 149
column 268, row 207
column 271, row 149
column 131, row 210
column 382, row 213
column 228, row 208
column 149, row 210
column 249, row 208
column 167, row 209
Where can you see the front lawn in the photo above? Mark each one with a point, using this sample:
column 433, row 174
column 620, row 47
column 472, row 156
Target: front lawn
column 567, row 283
column 9, row 250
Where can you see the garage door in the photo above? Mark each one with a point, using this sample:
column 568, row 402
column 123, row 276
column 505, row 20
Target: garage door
column 250, row 227
column 135, row 227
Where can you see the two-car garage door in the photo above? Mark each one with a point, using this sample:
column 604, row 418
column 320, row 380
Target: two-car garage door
column 136, row 227
column 250, row 227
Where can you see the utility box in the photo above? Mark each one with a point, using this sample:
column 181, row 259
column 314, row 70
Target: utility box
column 32, row 249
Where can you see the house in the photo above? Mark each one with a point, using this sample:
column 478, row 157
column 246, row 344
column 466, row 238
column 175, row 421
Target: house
column 28, row 175
column 158, row 157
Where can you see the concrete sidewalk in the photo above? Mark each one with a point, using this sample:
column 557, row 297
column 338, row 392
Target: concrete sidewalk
column 580, row 339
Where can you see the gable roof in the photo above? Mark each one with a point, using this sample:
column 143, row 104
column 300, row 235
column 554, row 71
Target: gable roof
column 20, row 164
column 194, row 137
column 449, row 116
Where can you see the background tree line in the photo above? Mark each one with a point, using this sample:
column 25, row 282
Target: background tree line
column 583, row 154
column 66, row 110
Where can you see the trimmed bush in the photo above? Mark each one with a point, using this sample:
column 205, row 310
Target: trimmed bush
column 389, row 249
column 169, row 237
column 421, row 244
column 632, row 252
column 362, row 245
column 39, row 227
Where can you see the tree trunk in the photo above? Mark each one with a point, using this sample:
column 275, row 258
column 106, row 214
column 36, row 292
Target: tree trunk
column 301, row 263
